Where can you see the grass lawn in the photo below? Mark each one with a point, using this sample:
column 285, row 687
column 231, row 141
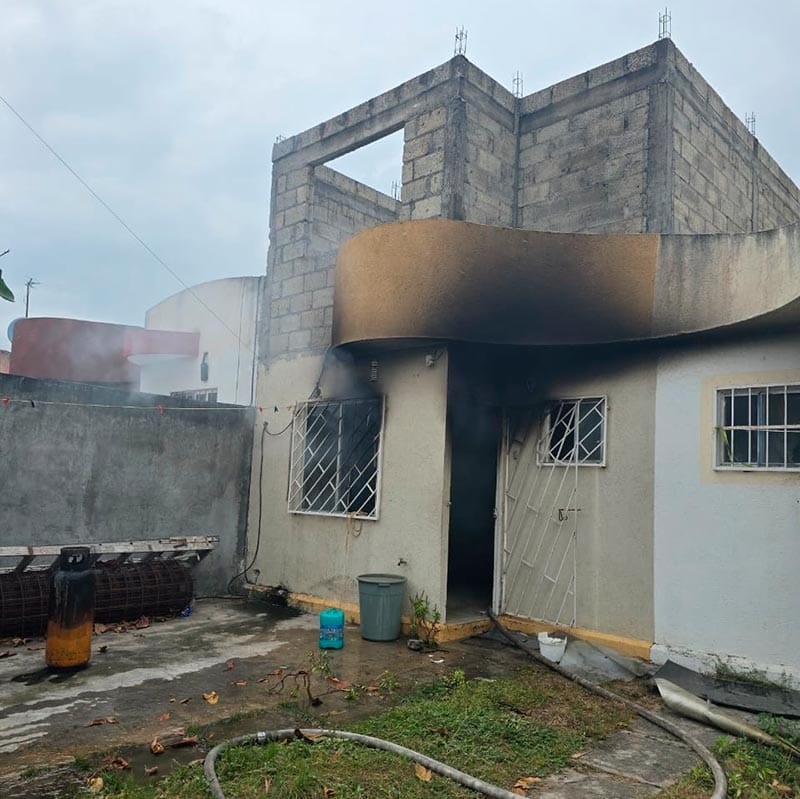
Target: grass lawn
column 754, row 771
column 528, row 725
column 520, row 728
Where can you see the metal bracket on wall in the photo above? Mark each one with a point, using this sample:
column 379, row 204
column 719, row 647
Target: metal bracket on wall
column 17, row 559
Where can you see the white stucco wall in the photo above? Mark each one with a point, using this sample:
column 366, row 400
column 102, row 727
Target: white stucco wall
column 230, row 349
column 727, row 544
column 322, row 555
column 615, row 522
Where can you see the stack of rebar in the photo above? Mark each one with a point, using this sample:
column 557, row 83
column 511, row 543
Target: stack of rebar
column 124, row 592
column 24, row 598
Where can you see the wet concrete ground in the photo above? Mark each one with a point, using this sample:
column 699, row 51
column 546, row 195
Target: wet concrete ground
column 144, row 674
column 45, row 717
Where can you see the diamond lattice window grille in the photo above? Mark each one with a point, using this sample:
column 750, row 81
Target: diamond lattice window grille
column 575, row 432
column 335, row 458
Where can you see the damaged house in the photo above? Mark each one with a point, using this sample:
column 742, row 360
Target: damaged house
column 558, row 377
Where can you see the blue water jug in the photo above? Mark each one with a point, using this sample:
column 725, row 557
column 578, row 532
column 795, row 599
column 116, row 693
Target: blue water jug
column 331, row 629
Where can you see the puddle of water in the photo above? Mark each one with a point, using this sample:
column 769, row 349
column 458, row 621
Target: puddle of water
column 140, row 758
column 51, row 785
column 46, row 675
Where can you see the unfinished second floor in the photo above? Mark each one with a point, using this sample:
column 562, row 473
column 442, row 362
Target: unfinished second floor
column 641, row 144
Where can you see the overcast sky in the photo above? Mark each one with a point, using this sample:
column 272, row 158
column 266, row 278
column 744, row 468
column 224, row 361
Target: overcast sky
column 170, row 109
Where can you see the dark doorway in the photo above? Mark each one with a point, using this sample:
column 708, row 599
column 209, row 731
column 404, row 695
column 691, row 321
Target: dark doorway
column 474, row 426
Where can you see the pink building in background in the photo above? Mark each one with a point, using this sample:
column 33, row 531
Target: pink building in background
column 92, row 352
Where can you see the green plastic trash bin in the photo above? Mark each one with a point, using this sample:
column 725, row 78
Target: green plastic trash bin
column 380, row 599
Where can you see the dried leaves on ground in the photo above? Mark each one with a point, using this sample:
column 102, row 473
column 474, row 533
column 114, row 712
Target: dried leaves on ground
column 498, row 731
column 105, row 720
column 422, row 773
column 122, row 627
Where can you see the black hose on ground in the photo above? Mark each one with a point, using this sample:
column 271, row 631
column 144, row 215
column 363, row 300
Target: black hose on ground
column 720, row 781
column 486, row 788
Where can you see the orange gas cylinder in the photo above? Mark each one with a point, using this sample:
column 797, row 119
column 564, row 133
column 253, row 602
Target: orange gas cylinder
column 71, row 616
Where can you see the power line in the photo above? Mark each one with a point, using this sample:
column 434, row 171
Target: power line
column 122, row 222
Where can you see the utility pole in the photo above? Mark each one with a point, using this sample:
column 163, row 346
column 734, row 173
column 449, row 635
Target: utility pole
column 29, row 284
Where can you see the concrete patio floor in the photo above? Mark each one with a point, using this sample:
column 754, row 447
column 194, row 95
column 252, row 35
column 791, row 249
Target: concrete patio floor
column 143, row 674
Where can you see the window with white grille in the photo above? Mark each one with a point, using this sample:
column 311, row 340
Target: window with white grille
column 335, row 458
column 575, row 432
column 758, row 427
column 200, row 394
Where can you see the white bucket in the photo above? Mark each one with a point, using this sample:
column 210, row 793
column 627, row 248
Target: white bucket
column 552, row 648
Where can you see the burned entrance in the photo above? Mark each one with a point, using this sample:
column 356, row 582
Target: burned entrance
column 473, row 420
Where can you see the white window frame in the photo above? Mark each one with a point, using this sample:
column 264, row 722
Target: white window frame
column 719, row 440
column 543, row 454
column 298, row 491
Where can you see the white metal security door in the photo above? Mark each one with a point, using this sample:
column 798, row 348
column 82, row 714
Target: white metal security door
column 540, row 520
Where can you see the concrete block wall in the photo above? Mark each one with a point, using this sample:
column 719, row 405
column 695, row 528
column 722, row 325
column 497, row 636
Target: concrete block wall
column 777, row 196
column 313, row 208
column 487, row 145
column 713, row 183
column 341, row 207
column 287, row 262
column 644, row 144
column 586, row 171
column 326, row 208
column 423, row 164
column 725, row 182
column 458, row 162
column 490, row 150
column 584, row 149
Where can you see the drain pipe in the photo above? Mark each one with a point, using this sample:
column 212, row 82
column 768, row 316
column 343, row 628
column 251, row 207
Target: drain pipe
column 720, row 781
column 486, row 788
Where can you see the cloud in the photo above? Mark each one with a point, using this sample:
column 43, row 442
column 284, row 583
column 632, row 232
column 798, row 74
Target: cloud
column 170, row 109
